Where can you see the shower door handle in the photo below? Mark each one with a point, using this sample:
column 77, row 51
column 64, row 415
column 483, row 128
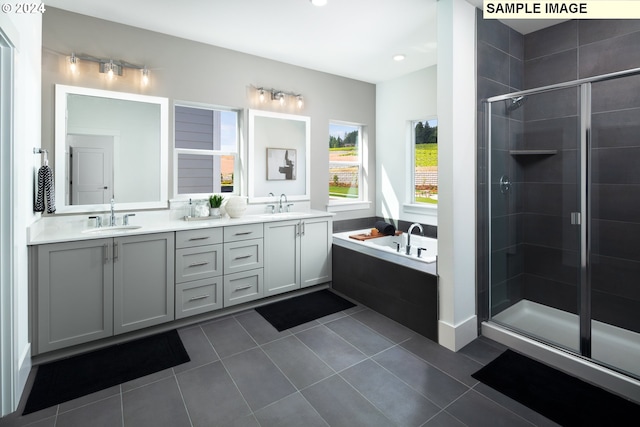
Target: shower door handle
column 576, row 218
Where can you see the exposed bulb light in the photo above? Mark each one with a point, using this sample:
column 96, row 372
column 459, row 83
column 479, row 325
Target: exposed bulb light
column 109, row 68
column 261, row 95
column 145, row 76
column 300, row 101
column 319, row 2
column 73, row 63
column 281, row 98
column 399, row 57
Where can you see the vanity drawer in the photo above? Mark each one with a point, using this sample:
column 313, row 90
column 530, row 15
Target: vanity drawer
column 243, row 255
column 235, row 233
column 243, row 287
column 198, row 237
column 199, row 296
column 198, row 263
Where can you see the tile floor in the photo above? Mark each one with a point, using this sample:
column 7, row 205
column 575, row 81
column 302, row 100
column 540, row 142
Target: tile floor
column 353, row 368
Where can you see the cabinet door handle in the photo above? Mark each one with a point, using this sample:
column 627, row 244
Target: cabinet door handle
column 297, row 229
column 244, row 233
column 303, row 229
column 242, row 257
column 198, row 264
column 115, row 251
column 106, row 253
column 199, row 297
column 198, row 238
column 242, row 288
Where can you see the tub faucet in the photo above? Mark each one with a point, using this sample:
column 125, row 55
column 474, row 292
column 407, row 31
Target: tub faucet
column 112, row 218
column 414, row 225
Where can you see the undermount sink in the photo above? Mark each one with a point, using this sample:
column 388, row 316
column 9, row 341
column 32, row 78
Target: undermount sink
column 116, row 228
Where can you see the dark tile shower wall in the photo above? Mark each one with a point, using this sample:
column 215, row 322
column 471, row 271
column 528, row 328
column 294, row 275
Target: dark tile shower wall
column 532, row 246
column 500, row 55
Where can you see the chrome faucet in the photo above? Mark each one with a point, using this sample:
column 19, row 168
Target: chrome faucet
column 414, row 225
column 112, row 218
column 272, row 206
column 280, row 202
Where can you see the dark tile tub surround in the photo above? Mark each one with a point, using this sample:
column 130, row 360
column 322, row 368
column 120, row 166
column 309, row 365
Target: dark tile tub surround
column 544, row 186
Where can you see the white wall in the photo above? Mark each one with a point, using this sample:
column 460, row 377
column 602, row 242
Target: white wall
column 184, row 70
column 25, row 32
column 398, row 102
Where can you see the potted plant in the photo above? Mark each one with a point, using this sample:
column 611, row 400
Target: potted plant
column 215, row 201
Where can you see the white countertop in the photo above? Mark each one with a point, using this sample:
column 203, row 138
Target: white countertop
column 56, row 229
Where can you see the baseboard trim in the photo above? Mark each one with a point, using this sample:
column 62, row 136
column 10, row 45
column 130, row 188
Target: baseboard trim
column 455, row 337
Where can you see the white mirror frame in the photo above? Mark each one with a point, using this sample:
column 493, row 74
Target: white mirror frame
column 256, row 154
column 61, row 92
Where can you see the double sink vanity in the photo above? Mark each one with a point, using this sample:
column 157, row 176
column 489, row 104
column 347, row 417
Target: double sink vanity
column 90, row 283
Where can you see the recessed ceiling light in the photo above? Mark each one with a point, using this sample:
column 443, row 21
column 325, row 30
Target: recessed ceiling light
column 399, row 57
column 318, row 2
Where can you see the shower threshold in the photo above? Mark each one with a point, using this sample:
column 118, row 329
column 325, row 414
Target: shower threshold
column 613, row 346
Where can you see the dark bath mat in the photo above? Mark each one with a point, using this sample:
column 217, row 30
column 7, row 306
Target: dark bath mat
column 77, row 376
column 305, row 308
column 560, row 397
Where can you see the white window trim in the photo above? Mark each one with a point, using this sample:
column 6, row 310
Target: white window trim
column 176, row 151
column 411, row 206
column 362, row 202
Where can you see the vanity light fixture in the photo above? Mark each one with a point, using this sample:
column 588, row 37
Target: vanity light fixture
column 110, row 67
column 279, row 96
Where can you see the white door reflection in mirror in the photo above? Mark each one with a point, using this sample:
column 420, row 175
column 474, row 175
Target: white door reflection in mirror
column 91, row 169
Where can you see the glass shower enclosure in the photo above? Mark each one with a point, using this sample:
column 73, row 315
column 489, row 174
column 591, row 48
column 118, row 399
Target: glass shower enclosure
column 564, row 216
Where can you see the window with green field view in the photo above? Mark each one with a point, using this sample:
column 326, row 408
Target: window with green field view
column 345, row 161
column 425, row 161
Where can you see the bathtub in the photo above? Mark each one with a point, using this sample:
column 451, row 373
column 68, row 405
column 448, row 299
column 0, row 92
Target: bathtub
column 386, row 248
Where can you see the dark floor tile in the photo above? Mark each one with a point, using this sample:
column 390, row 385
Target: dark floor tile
column 330, row 347
column 457, row 365
column 301, row 365
column 474, row 409
column 156, row 404
column 443, row 419
column 395, row 399
column 148, row 379
column 258, row 379
column 359, row 335
column 383, row 325
column 259, row 329
column 292, row 411
column 437, row 386
column 103, row 413
column 341, row 405
column 13, row 420
column 198, row 347
column 481, row 351
column 211, row 396
column 228, row 337
column 246, row 421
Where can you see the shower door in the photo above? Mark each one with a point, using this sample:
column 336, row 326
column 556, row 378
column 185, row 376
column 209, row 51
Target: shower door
column 615, row 223
column 537, row 215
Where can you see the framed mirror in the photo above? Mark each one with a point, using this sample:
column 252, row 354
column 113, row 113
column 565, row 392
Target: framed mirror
column 110, row 145
column 279, row 156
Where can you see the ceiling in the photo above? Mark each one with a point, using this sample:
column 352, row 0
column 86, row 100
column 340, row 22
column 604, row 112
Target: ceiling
column 350, row 38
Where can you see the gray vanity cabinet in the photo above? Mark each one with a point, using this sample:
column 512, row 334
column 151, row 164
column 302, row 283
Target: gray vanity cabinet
column 143, row 280
column 94, row 289
column 74, row 293
column 297, row 254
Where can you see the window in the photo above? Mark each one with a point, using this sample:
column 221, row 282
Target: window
column 425, row 161
column 206, row 148
column 345, row 162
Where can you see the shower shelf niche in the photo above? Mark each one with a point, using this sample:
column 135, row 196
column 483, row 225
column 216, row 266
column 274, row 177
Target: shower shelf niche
column 533, row 152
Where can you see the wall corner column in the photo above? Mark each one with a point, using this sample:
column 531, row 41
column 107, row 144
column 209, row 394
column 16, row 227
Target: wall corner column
column 456, row 174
